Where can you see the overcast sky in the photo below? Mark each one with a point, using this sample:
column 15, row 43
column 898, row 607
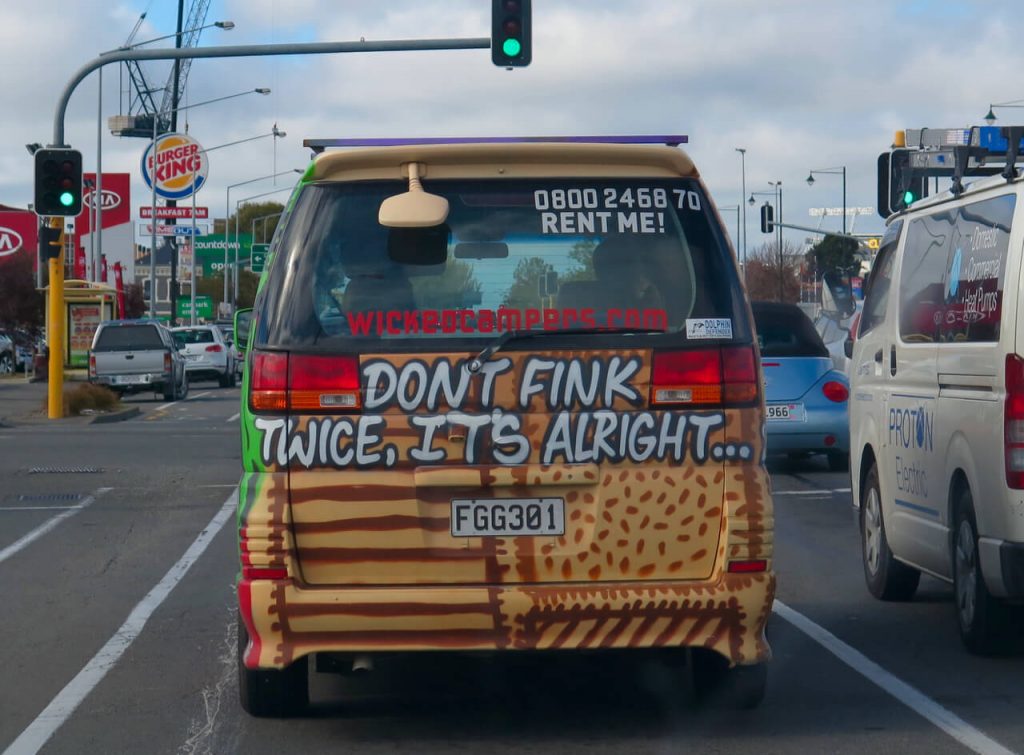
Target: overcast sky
column 800, row 84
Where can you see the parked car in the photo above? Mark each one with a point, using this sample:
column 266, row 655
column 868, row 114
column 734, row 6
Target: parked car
column 208, row 355
column 807, row 399
column 228, row 329
column 8, row 355
column 131, row 356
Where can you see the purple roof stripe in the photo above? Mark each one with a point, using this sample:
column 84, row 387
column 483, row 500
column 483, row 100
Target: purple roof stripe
column 669, row 139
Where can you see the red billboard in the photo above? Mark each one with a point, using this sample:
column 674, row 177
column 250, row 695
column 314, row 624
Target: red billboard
column 117, row 202
column 18, row 234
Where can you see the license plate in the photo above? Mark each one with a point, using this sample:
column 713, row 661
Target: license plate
column 192, row 357
column 785, row 412
column 473, row 517
column 130, row 379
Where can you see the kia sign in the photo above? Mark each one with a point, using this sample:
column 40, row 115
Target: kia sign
column 111, row 199
column 10, row 241
column 181, row 166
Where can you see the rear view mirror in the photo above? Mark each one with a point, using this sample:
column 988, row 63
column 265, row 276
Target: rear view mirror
column 243, row 319
column 481, row 251
column 848, row 348
column 415, row 208
column 418, row 246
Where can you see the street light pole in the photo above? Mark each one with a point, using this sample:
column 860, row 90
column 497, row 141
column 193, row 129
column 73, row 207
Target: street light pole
column 778, row 226
column 743, row 187
column 837, row 171
column 238, row 243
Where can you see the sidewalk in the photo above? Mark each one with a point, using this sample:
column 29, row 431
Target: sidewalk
column 22, row 403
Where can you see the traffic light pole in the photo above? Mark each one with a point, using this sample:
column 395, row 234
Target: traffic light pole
column 249, row 51
column 55, row 329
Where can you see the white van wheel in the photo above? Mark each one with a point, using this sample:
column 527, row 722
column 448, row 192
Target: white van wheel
column 887, row 578
column 984, row 621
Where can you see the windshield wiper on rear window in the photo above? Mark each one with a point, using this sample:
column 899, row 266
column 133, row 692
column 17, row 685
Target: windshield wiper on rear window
column 499, row 343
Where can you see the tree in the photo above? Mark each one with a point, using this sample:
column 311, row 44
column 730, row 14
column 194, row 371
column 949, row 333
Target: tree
column 834, row 254
column 213, row 286
column 21, row 305
column 134, row 301
column 582, row 253
column 768, row 273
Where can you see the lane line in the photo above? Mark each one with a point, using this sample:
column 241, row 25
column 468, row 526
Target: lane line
column 48, row 525
column 818, row 491
column 233, row 417
column 910, row 696
column 187, row 398
column 32, row 739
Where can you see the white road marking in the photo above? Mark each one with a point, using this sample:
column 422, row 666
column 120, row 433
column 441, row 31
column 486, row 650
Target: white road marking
column 817, row 491
column 187, row 398
column 233, row 417
column 48, row 525
column 910, row 696
column 32, row 739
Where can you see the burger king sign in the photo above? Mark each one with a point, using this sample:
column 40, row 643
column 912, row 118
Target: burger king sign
column 181, row 166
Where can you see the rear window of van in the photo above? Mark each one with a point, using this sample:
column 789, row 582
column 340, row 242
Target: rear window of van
column 513, row 255
column 128, row 338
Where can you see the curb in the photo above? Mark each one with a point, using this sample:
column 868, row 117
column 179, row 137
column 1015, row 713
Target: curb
column 102, row 419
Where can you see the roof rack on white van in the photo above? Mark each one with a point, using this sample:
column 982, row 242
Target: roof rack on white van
column 960, row 152
column 319, row 145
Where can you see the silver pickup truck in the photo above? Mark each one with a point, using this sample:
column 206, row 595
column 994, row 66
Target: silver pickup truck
column 131, row 356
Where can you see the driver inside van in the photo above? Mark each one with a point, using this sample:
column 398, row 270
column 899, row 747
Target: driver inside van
column 623, row 273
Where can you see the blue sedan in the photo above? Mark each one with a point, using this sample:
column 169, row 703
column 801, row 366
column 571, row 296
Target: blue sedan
column 807, row 401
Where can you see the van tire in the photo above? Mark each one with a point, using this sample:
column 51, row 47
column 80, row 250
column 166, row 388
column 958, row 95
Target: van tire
column 714, row 683
column 271, row 693
column 838, row 461
column 984, row 620
column 170, row 390
column 887, row 578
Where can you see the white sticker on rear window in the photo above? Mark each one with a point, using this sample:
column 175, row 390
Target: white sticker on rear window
column 708, row 327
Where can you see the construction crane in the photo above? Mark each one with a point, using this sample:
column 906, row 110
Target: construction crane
column 142, row 107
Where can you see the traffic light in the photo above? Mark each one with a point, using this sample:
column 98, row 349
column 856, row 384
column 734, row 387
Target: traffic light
column 58, row 182
column 510, row 33
column 898, row 186
column 51, row 239
column 767, row 218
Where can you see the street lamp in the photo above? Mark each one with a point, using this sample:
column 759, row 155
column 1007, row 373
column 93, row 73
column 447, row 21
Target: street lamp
column 743, row 193
column 834, row 171
column 96, row 252
column 990, row 116
column 152, row 182
column 274, row 132
column 227, row 216
column 737, row 208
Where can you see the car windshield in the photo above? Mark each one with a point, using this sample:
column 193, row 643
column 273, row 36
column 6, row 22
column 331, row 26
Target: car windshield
column 512, row 255
column 128, row 337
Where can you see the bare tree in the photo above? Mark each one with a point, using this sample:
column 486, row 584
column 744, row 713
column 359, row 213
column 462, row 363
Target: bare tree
column 771, row 276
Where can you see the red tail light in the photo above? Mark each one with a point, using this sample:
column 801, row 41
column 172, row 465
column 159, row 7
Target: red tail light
column 835, row 391
column 748, row 567
column 92, row 365
column 1013, row 422
column 257, row 572
column 323, row 383
column 304, row 382
column 704, row 376
column 216, row 348
column 167, row 361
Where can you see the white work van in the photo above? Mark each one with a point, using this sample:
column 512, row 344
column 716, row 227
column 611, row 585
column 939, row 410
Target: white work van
column 937, row 408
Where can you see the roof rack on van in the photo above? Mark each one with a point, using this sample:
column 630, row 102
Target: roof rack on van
column 959, row 152
column 319, row 145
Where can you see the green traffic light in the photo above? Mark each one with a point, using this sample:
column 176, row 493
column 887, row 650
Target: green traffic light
column 511, row 47
column 908, row 198
column 67, row 198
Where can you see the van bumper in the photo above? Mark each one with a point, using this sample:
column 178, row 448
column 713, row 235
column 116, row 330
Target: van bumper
column 1002, row 564
column 287, row 621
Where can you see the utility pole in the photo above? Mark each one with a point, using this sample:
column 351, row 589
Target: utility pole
column 175, row 99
